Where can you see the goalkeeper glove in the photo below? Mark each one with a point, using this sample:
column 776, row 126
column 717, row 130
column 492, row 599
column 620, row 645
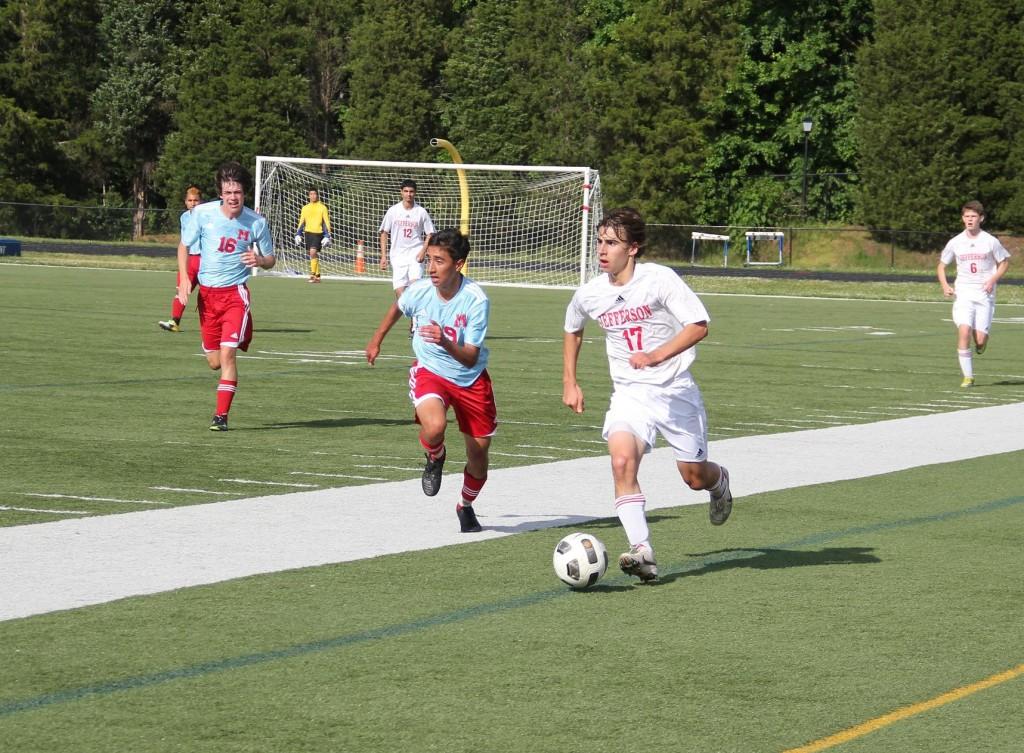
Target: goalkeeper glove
column 326, row 241
column 298, row 240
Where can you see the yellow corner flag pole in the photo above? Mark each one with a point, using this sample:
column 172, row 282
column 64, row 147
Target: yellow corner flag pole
column 463, row 188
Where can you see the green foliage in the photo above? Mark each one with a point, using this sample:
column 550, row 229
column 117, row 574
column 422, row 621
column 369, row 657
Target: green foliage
column 937, row 122
column 691, row 109
column 795, row 62
column 396, row 52
column 653, row 86
column 49, row 58
column 242, row 93
column 512, row 86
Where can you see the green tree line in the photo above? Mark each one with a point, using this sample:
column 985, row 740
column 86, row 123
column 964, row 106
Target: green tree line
column 692, row 110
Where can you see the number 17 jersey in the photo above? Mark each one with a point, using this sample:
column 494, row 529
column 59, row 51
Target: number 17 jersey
column 639, row 316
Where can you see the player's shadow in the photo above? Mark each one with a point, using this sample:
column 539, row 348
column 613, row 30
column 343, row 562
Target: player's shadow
column 532, row 523
column 772, row 559
column 331, row 423
column 1008, row 383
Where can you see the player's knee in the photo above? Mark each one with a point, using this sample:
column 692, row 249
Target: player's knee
column 693, row 476
column 623, row 466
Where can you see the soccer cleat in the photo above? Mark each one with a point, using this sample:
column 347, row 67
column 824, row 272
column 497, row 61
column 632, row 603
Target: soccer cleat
column 639, row 561
column 432, row 475
column 720, row 507
column 968, row 382
column 467, row 519
column 979, row 348
column 170, row 325
column 220, row 422
column 314, row 278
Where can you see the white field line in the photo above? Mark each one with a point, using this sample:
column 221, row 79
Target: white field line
column 336, row 475
column 83, row 561
column 257, row 482
column 40, row 510
column 91, row 499
column 190, row 491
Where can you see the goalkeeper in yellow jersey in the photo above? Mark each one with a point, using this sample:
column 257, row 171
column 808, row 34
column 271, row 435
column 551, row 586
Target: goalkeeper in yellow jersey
column 315, row 225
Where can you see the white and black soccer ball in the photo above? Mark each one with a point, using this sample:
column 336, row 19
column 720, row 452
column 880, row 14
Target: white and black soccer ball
column 580, row 560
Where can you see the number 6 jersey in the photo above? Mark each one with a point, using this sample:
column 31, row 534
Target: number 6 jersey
column 639, row 316
column 976, row 260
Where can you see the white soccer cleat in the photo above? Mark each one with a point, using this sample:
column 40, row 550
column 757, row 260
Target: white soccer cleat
column 639, row 561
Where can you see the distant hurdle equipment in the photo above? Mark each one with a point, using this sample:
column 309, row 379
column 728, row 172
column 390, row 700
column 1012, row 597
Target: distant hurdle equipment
column 696, row 238
column 757, row 235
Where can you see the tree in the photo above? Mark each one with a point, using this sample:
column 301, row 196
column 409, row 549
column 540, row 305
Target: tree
column 132, row 104
column 796, row 62
column 934, row 124
column 328, row 24
column 242, row 91
column 49, row 66
column 396, row 48
column 652, row 86
column 513, row 88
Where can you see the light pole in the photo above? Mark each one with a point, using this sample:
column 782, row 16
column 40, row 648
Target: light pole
column 808, row 124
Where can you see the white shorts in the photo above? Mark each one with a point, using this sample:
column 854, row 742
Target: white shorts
column 675, row 411
column 402, row 275
column 975, row 313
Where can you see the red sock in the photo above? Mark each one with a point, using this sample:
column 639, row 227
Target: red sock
column 433, row 452
column 225, row 394
column 471, row 487
column 177, row 309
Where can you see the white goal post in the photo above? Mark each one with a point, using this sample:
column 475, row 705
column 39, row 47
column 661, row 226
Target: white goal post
column 529, row 226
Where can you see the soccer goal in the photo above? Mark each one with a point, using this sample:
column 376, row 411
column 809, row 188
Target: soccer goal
column 529, row 226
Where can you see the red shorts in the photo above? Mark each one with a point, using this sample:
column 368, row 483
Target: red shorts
column 474, row 405
column 192, row 269
column 224, row 317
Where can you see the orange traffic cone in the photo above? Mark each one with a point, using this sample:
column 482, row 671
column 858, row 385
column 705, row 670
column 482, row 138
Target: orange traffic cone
column 360, row 257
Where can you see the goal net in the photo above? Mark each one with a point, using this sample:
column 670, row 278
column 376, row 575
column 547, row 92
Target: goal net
column 528, row 226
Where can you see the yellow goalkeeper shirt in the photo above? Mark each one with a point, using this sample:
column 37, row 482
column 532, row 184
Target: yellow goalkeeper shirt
column 314, row 218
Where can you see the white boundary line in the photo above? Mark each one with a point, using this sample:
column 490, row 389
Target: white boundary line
column 79, row 562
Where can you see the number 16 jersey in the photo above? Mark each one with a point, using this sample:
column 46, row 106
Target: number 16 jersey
column 639, row 316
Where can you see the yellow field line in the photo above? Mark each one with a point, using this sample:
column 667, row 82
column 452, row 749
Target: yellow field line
column 885, row 720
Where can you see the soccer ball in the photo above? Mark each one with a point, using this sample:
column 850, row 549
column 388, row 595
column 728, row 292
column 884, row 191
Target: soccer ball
column 580, row 560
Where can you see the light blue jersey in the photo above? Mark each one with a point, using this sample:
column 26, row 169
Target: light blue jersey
column 185, row 217
column 463, row 319
column 222, row 241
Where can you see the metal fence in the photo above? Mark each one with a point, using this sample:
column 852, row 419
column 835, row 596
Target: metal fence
column 807, row 247
column 99, row 223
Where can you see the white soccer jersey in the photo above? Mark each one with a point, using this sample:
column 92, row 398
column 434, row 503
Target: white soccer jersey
column 406, row 229
column 976, row 260
column 646, row 312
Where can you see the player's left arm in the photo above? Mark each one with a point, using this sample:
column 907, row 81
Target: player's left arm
column 691, row 334
column 423, row 251
column 261, row 252
column 326, row 221
column 1001, row 268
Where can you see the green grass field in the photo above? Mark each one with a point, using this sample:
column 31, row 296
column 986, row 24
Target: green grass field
column 814, row 610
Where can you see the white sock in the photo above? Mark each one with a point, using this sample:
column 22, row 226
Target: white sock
column 630, row 509
column 718, row 487
column 966, row 362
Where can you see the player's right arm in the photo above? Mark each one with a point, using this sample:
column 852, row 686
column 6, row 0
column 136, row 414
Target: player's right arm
column 390, row 318
column 384, row 236
column 184, row 282
column 947, row 289
column 572, row 395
